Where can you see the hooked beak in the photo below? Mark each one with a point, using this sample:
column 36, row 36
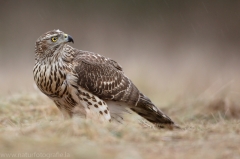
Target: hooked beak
column 70, row 39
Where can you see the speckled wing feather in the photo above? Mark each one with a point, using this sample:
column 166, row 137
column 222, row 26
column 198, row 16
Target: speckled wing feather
column 104, row 77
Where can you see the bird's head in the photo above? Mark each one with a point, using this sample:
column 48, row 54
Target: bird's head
column 49, row 42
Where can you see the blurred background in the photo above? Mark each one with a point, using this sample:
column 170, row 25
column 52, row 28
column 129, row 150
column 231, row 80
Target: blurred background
column 167, row 47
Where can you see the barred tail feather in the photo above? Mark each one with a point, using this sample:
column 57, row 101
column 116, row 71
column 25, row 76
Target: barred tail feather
column 150, row 112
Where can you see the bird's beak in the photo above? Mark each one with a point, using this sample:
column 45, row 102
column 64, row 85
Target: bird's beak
column 70, row 39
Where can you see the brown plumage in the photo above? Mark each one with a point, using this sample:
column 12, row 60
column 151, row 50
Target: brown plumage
column 87, row 84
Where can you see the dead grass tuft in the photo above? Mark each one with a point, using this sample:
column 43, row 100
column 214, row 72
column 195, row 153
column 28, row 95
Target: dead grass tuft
column 225, row 107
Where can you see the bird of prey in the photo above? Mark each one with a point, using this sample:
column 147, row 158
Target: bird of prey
column 88, row 84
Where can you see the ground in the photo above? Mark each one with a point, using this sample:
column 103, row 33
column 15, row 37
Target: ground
column 32, row 126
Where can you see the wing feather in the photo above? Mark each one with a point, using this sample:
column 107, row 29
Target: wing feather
column 105, row 78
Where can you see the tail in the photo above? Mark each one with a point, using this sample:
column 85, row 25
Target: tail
column 145, row 108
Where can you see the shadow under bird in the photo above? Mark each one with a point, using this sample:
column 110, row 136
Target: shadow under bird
column 87, row 84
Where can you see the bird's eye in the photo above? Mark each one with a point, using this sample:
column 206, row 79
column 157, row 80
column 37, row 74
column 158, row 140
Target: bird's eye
column 54, row 39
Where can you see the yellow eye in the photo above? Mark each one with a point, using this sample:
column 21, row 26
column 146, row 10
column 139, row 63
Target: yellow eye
column 54, row 39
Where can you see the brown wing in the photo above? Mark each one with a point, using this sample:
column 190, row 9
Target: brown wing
column 104, row 77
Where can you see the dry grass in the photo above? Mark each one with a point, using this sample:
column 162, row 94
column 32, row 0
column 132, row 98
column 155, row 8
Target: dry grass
column 30, row 123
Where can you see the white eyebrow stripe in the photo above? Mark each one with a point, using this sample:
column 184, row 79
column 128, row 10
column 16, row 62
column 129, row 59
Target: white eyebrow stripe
column 50, row 35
